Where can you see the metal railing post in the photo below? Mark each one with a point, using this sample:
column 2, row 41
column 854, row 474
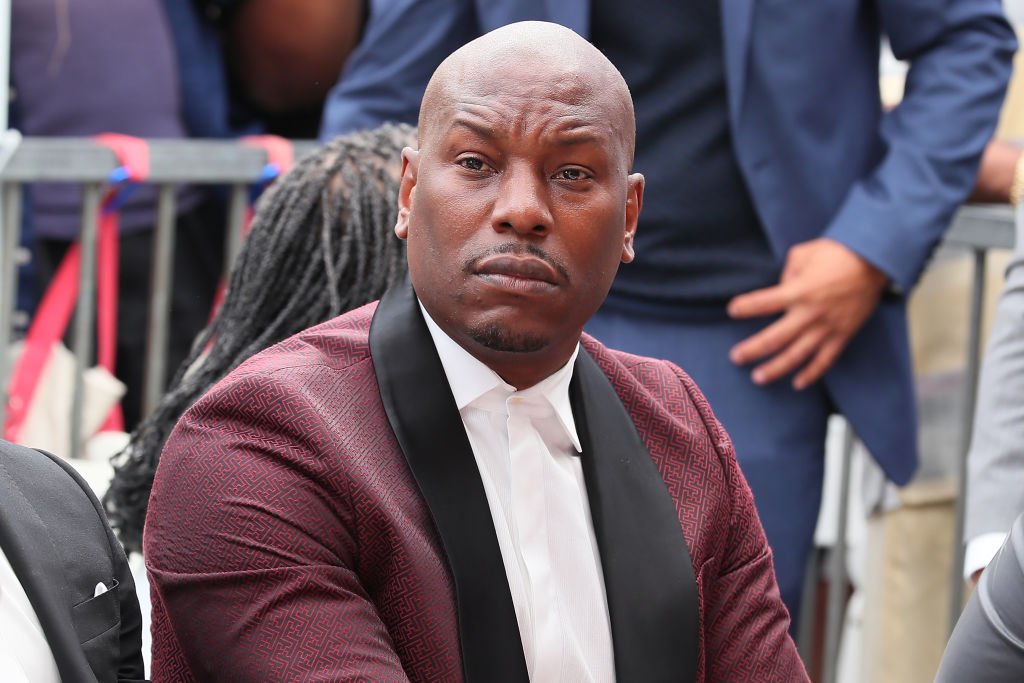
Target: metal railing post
column 85, row 310
column 237, row 205
column 972, row 368
column 10, row 227
column 161, row 282
column 837, row 591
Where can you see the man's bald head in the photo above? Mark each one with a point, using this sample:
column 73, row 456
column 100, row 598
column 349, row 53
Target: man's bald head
column 526, row 58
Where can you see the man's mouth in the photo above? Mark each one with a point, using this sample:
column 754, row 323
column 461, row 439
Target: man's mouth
column 518, row 273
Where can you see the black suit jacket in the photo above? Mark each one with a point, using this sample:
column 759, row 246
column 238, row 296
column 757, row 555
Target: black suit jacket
column 55, row 535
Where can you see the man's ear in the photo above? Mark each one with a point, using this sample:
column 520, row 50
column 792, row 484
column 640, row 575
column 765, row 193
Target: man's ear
column 634, row 202
column 406, row 190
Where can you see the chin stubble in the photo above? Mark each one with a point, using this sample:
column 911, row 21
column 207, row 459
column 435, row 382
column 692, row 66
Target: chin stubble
column 498, row 338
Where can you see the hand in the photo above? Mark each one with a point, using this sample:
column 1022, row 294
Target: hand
column 976, row 577
column 995, row 175
column 826, row 293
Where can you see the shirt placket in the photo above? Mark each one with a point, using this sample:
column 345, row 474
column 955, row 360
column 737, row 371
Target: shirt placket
column 526, row 455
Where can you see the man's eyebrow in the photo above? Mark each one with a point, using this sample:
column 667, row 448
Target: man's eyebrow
column 475, row 127
column 583, row 134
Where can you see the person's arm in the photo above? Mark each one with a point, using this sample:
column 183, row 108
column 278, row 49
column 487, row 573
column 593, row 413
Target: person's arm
column 746, row 626
column 995, row 489
column 385, row 76
column 960, row 55
column 979, row 553
column 987, row 643
column 250, row 545
column 130, row 664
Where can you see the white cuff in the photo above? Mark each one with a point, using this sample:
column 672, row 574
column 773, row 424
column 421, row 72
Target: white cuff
column 980, row 551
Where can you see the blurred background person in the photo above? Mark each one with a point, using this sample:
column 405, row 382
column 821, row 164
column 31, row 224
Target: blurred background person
column 260, row 66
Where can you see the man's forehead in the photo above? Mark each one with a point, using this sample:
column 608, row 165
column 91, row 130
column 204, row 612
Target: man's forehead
column 569, row 123
column 566, row 102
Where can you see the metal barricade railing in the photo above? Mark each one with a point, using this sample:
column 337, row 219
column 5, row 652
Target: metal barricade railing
column 978, row 229
column 238, row 166
column 82, row 161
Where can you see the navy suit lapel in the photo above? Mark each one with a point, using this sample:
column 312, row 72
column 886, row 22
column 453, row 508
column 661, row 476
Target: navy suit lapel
column 648, row 574
column 40, row 568
column 426, row 422
column 737, row 21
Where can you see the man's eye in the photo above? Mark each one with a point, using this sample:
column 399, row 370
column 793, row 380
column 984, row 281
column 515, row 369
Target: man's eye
column 472, row 163
column 571, row 174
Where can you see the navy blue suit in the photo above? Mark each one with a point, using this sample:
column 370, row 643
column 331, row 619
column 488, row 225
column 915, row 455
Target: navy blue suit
column 820, row 158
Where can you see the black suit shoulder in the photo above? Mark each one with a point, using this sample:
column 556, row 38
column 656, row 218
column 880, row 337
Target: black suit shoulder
column 57, row 538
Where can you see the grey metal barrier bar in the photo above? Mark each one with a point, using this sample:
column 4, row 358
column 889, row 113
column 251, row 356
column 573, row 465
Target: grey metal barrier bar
column 160, row 299
column 198, row 162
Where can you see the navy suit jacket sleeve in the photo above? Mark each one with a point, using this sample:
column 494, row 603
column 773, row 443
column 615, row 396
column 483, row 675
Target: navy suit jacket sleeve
column 960, row 55
column 384, row 77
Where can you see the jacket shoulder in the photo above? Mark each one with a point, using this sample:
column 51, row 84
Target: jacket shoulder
column 337, row 344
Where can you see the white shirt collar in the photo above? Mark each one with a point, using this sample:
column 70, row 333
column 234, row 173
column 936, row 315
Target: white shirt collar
column 470, row 379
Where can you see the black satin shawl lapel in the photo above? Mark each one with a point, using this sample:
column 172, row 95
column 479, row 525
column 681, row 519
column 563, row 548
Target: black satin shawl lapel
column 422, row 412
column 648, row 574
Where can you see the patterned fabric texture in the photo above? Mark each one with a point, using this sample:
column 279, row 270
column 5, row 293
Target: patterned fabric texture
column 287, row 539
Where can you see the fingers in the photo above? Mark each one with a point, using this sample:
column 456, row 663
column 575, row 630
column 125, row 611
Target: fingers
column 790, row 358
column 824, row 359
column 761, row 302
column 771, row 339
column 798, row 342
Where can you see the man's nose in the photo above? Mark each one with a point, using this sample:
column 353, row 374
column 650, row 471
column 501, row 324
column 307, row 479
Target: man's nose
column 522, row 203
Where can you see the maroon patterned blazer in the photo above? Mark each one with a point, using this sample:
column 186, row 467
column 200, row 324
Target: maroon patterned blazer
column 319, row 516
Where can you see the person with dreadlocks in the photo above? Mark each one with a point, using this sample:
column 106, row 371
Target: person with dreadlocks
column 320, row 245
column 455, row 483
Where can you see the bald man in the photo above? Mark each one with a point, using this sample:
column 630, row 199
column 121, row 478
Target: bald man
column 456, row 483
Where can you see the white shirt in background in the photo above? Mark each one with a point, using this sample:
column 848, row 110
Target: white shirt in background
column 980, row 551
column 527, row 450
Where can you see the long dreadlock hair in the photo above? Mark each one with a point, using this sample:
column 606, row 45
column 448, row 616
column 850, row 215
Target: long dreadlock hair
column 321, row 243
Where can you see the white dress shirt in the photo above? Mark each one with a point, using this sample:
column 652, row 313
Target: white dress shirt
column 25, row 656
column 980, row 551
column 527, row 450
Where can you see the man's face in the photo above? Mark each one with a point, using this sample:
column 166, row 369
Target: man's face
column 518, row 209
